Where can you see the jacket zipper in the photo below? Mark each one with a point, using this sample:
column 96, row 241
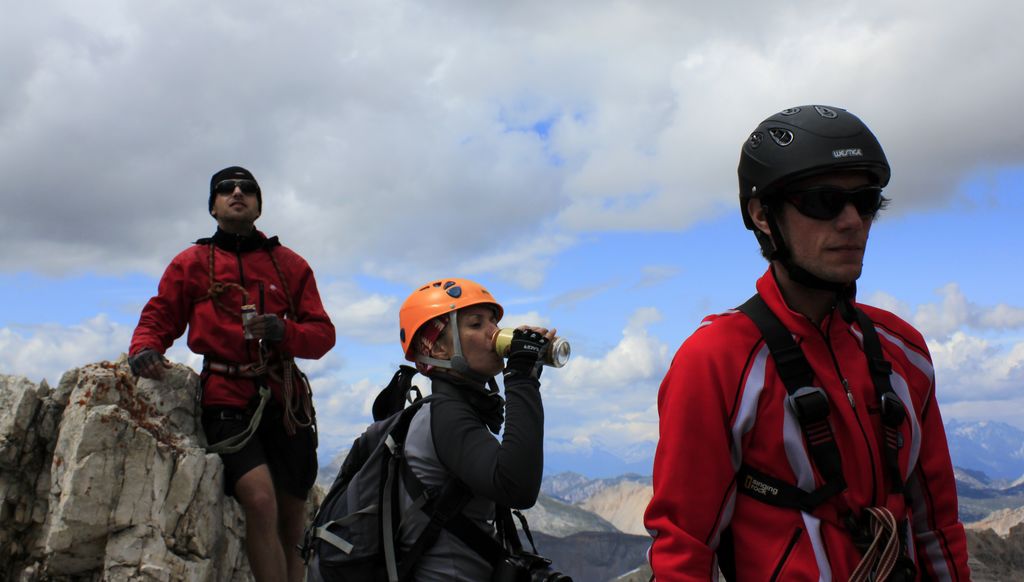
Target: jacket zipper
column 238, row 258
column 849, row 396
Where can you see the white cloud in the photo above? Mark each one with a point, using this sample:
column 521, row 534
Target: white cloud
column 638, row 356
column 533, row 318
column 399, row 140
column 1001, row 316
column 971, row 369
column 569, row 299
column 47, row 351
column 1010, row 411
column 883, row 300
column 344, row 408
column 356, row 313
column 654, row 275
column 946, row 317
column 610, row 399
column 953, row 313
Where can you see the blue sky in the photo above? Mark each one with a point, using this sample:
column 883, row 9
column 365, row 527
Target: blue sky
column 578, row 159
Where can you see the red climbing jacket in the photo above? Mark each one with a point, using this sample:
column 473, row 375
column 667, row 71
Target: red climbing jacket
column 212, row 309
column 723, row 407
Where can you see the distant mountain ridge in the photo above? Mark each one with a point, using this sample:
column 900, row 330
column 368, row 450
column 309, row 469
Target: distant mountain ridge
column 598, row 460
column 573, row 487
column 996, row 448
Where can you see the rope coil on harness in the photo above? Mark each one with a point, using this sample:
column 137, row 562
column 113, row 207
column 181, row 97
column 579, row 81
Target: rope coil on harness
column 879, row 560
column 297, row 396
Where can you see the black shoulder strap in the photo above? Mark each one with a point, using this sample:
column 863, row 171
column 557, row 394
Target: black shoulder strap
column 892, row 409
column 395, row 468
column 443, row 508
column 811, row 407
column 395, row 395
column 480, row 541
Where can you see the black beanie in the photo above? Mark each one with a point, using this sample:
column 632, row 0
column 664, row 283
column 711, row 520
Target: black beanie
column 235, row 173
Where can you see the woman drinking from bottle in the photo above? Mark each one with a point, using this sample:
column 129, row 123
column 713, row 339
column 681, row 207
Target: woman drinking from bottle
column 448, row 328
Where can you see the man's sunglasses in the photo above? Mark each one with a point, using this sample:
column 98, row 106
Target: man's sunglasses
column 828, row 202
column 228, row 186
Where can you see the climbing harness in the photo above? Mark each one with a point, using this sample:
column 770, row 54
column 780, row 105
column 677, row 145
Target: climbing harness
column 810, row 405
column 271, row 365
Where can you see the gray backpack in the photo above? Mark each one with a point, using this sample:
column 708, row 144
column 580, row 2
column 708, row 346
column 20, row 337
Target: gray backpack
column 354, row 533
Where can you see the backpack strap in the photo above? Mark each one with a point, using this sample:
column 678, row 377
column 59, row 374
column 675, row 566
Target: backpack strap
column 442, row 508
column 481, row 542
column 893, row 411
column 399, row 391
column 811, row 407
column 389, row 503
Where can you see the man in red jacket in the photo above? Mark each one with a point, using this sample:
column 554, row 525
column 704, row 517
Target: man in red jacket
column 251, row 306
column 800, row 434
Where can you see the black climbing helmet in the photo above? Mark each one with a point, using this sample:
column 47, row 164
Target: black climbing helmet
column 804, row 141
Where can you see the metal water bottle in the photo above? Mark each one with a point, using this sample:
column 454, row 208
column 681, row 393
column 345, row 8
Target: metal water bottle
column 555, row 355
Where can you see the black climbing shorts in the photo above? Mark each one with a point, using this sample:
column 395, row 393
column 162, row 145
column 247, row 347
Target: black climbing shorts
column 291, row 459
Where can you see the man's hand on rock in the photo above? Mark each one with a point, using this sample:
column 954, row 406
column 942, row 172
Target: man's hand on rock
column 148, row 364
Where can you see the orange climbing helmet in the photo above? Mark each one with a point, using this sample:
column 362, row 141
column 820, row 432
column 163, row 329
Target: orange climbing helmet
column 438, row 298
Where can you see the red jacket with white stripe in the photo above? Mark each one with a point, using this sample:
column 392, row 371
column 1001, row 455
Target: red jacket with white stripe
column 183, row 298
column 722, row 404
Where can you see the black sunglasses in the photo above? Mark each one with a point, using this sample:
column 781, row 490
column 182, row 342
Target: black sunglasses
column 228, row 186
column 828, row 202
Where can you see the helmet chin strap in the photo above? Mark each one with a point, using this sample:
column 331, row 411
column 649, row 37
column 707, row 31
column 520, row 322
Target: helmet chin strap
column 782, row 254
column 458, row 362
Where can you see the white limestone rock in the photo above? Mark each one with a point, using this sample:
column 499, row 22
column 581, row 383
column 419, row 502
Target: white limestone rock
column 106, row 478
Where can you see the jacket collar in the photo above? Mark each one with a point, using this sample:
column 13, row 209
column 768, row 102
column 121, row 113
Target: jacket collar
column 486, row 402
column 240, row 243
column 797, row 323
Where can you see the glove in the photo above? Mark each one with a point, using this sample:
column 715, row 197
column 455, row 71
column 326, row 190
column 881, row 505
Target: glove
column 148, row 364
column 267, row 326
column 524, row 353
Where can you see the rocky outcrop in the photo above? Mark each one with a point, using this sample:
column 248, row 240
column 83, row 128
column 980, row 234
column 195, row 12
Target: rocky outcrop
column 623, row 505
column 995, row 558
column 575, row 488
column 105, row 478
column 560, row 519
column 999, row 521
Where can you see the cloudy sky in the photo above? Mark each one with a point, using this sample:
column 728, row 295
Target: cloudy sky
column 577, row 157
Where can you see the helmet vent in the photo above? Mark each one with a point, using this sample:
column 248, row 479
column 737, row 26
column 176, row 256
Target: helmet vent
column 826, row 112
column 756, row 139
column 790, row 111
column 783, row 137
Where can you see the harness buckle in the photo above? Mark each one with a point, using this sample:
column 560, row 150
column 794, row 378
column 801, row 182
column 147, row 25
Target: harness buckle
column 810, row 404
column 893, row 410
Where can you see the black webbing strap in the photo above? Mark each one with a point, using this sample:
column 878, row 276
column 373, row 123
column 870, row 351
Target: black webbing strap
column 442, row 508
column 477, row 539
column 779, row 493
column 809, row 404
column 507, row 528
column 389, row 493
column 892, row 410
